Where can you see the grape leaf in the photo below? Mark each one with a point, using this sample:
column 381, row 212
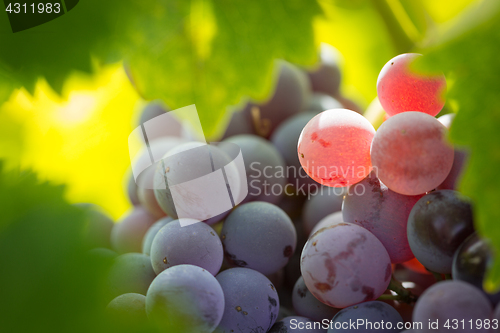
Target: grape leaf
column 211, row 53
column 471, row 59
column 171, row 62
column 49, row 281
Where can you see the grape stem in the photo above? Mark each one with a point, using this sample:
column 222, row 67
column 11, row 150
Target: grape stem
column 403, row 294
column 402, row 32
column 437, row 276
column 261, row 125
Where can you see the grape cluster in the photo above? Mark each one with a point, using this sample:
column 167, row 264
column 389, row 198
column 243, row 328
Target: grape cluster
column 367, row 226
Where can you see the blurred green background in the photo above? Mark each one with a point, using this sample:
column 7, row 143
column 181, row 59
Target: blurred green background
column 67, row 105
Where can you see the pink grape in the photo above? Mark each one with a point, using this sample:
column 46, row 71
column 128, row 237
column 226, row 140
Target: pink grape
column 334, row 147
column 410, row 153
column 345, row 264
column 401, row 89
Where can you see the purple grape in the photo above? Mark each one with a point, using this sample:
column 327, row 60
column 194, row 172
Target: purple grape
column 98, row 226
column 130, row 273
column 325, row 202
column 452, row 180
column 145, row 180
column 292, row 204
column 290, row 96
column 195, row 244
column 185, row 298
column 146, row 194
column 260, row 236
column 286, row 138
column 448, row 300
column 328, row 221
column 345, row 264
column 372, row 314
column 128, row 233
column 151, row 233
column 263, row 164
column 496, row 315
column 373, row 206
column 326, row 76
column 132, row 189
column 438, row 223
column 152, row 110
column 305, row 304
column 251, row 301
column 298, row 325
column 470, row 262
column 239, row 123
column 460, row 159
column 171, row 128
column 128, row 307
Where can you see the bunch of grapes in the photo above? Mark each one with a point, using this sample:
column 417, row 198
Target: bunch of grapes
column 367, row 226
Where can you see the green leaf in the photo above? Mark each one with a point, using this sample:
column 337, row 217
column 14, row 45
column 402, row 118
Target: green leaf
column 211, row 53
column 49, row 281
column 471, row 59
column 170, row 61
column 66, row 44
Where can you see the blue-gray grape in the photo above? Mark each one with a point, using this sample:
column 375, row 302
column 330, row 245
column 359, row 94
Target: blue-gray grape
column 296, row 324
column 320, row 102
column 128, row 307
column 326, row 201
column 151, row 233
column 128, row 233
column 370, row 317
column 438, row 223
column 328, row 221
column 305, row 304
column 345, row 264
column 130, row 273
column 265, row 168
column 286, row 138
column 373, row 206
column 260, row 236
column 195, row 244
column 98, row 226
column 185, row 298
column 251, row 301
column 187, row 162
column 449, row 300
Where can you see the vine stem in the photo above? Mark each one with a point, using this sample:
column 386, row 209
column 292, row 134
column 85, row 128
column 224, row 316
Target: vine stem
column 401, row 30
column 437, row 276
column 403, row 294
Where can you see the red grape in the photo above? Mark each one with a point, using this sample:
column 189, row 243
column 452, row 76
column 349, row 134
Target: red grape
column 410, row 153
column 402, row 89
column 334, row 147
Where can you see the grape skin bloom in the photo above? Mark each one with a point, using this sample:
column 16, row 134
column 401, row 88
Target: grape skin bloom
column 334, row 147
column 382, row 212
column 448, row 300
column 410, row 154
column 345, row 264
column 185, row 298
column 401, row 89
